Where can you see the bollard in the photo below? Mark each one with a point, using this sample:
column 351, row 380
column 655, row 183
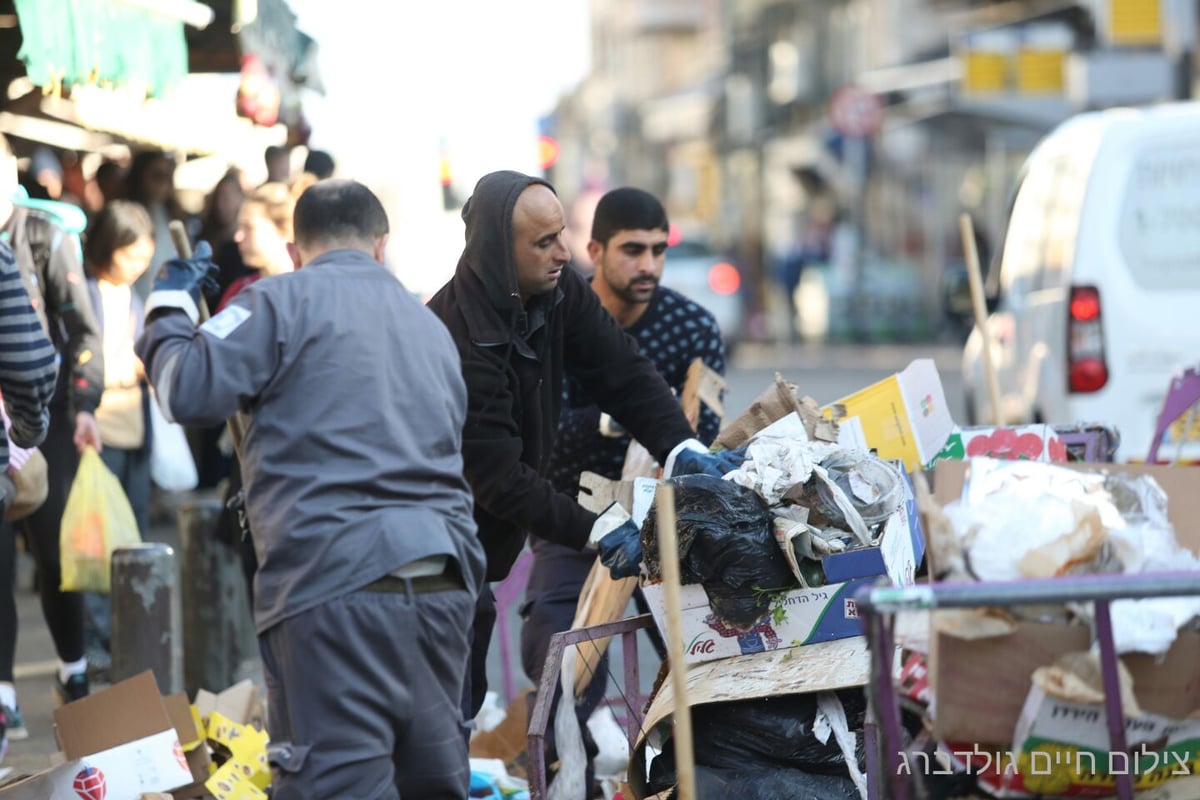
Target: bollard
column 220, row 647
column 146, row 615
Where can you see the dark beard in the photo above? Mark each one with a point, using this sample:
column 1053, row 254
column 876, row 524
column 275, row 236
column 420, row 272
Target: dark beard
column 629, row 294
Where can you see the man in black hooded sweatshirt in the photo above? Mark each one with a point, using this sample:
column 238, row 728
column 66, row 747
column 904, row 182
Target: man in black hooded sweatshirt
column 522, row 319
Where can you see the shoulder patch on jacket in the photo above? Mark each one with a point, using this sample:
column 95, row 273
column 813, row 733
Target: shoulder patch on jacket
column 226, row 322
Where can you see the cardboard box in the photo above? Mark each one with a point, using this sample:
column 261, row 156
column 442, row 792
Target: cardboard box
column 805, row 616
column 980, row 685
column 1062, row 747
column 898, row 554
column 191, row 739
column 995, row 771
column 776, row 402
column 1019, row 442
column 118, row 744
column 904, row 417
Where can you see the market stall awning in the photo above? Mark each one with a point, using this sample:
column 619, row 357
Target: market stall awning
column 100, row 42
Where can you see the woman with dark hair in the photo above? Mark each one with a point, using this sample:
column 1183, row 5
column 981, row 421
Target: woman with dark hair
column 118, row 249
column 151, row 182
column 218, row 225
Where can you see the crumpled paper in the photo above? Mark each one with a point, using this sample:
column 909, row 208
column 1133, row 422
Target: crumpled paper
column 779, row 457
column 1021, row 519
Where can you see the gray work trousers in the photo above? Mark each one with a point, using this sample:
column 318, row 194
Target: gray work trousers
column 364, row 697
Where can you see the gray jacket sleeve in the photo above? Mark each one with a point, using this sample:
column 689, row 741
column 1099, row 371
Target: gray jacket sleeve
column 27, row 359
column 202, row 376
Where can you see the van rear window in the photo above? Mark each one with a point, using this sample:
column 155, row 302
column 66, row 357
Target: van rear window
column 1159, row 230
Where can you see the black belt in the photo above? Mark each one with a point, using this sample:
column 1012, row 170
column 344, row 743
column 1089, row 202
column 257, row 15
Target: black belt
column 448, row 581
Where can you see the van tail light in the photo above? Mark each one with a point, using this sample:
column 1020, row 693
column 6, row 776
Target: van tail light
column 1086, row 368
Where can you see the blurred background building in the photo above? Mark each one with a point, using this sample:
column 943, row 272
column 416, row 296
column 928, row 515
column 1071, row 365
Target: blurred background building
column 850, row 133
column 825, row 147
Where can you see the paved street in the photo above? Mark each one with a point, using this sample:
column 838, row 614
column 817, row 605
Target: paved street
column 825, row 373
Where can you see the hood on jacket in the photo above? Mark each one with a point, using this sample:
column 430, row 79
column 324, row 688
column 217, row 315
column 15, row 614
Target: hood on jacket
column 488, row 215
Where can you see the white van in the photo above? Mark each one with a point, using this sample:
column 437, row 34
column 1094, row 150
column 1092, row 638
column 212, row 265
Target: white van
column 1099, row 277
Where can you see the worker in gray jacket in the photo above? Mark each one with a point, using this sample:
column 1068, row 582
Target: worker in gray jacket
column 352, row 403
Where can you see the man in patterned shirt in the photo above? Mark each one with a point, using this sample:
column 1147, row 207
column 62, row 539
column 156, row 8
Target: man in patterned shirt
column 628, row 248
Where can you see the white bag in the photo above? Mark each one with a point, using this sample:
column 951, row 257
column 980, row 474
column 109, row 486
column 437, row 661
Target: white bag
column 172, row 467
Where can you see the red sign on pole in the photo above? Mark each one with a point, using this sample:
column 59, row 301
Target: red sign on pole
column 855, row 112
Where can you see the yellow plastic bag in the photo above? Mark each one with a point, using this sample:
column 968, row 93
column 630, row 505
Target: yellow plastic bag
column 97, row 520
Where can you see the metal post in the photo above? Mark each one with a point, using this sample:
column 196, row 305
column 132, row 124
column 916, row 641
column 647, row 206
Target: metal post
column 1179, row 43
column 219, row 643
column 856, row 151
column 145, row 615
column 1113, row 709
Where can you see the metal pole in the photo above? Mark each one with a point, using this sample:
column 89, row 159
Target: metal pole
column 856, row 152
column 219, row 643
column 1114, row 710
column 1074, row 589
column 145, row 615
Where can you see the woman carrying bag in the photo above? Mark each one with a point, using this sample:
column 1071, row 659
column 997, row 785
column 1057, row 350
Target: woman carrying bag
column 118, row 250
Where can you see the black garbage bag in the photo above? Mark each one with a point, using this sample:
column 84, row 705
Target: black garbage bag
column 774, row 732
column 726, row 544
column 764, row 783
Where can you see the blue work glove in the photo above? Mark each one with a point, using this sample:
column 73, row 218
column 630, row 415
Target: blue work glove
column 621, row 551
column 690, row 461
column 182, row 282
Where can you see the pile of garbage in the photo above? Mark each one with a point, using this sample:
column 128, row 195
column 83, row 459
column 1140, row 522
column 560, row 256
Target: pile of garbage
column 1020, row 520
column 1019, row 700
column 764, row 527
column 748, row 538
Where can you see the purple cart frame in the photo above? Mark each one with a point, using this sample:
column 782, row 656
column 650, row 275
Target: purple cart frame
column 877, row 604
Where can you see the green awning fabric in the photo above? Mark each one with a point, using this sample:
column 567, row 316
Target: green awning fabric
column 71, row 42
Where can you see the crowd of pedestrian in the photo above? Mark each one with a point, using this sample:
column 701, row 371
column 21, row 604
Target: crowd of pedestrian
column 393, row 459
column 86, row 255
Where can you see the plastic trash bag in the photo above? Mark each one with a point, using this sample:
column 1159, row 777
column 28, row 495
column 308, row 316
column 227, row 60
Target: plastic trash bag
column 172, row 466
column 726, row 544
column 751, row 783
column 96, row 521
column 774, row 732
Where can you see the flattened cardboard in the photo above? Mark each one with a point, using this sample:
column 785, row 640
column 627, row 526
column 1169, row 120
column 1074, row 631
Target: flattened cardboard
column 980, row 685
column 597, row 493
column 239, row 703
column 192, row 741
column 179, row 711
column 126, row 711
column 1168, row 685
column 827, row 666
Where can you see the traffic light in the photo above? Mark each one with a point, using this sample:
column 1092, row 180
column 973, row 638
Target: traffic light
column 449, row 200
column 547, row 151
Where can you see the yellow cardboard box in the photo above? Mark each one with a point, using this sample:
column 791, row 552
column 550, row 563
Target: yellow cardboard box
column 904, row 417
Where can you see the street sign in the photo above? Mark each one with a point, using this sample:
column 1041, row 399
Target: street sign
column 855, row 112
